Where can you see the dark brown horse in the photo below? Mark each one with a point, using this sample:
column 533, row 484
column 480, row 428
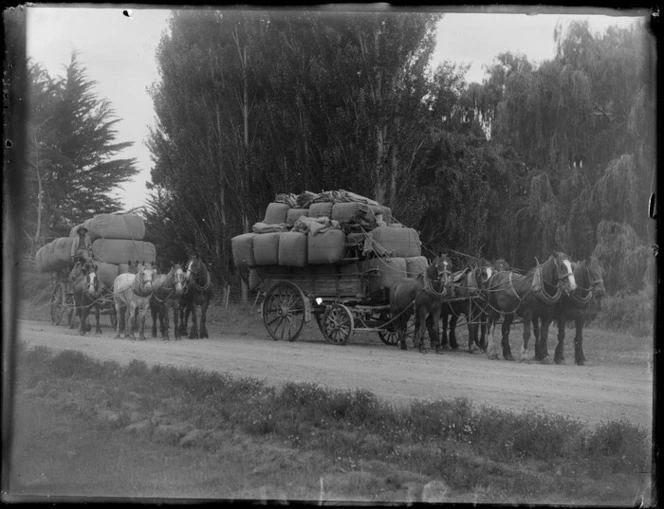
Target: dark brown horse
column 468, row 300
column 87, row 290
column 198, row 292
column 532, row 297
column 167, row 291
column 580, row 305
column 424, row 294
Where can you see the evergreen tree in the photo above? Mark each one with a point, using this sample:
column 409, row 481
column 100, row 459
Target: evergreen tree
column 73, row 167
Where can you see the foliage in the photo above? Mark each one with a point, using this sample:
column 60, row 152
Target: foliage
column 536, row 158
column 73, row 166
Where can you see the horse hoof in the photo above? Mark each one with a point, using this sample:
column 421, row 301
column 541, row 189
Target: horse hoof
column 560, row 360
column 509, row 358
column 493, row 357
column 580, row 362
column 546, row 361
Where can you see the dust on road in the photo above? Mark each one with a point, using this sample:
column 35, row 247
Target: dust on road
column 590, row 394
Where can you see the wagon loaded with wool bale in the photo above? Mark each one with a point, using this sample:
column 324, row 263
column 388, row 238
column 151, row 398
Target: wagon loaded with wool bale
column 332, row 255
column 116, row 240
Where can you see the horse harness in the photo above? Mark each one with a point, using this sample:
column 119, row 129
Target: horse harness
column 582, row 301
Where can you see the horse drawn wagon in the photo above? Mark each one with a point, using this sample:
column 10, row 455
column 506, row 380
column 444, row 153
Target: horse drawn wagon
column 113, row 240
column 332, row 261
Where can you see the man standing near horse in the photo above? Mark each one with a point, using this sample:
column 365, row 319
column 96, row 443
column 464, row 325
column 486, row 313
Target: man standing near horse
column 81, row 252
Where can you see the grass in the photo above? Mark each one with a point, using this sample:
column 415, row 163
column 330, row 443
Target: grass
column 486, row 452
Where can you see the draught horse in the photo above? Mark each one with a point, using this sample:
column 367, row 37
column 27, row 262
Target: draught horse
column 133, row 293
column 580, row 305
column 197, row 292
column 167, row 291
column 468, row 300
column 532, row 297
column 424, row 295
column 87, row 289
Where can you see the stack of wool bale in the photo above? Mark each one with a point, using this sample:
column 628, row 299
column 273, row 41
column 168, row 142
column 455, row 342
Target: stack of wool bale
column 116, row 239
column 317, row 229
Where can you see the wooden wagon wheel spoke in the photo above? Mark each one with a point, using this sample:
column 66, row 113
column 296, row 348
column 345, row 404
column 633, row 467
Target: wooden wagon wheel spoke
column 58, row 303
column 338, row 324
column 283, row 311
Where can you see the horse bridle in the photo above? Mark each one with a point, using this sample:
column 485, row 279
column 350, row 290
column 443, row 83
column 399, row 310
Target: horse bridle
column 441, row 275
column 194, row 273
column 591, row 290
column 140, row 283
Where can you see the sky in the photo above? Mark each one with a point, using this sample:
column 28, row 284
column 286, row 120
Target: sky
column 117, row 49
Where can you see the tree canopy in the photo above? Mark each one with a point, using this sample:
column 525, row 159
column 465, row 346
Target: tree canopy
column 72, row 160
column 559, row 155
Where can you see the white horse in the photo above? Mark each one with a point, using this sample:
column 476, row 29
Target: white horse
column 133, row 292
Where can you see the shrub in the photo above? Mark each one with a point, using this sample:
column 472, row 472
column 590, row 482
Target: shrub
column 630, row 313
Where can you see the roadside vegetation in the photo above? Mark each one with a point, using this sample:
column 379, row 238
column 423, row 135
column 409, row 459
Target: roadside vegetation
column 478, row 454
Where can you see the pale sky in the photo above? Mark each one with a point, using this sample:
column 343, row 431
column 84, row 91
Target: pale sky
column 118, row 53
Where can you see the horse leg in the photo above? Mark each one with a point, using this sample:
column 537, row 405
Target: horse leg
column 97, row 316
column 507, row 323
column 165, row 322
column 444, row 316
column 184, row 318
column 433, row 321
column 560, row 348
column 453, row 323
column 143, row 310
column 193, row 332
column 493, row 354
column 203, row 329
column 527, row 324
column 119, row 319
column 84, row 316
column 544, row 339
column 130, row 320
column 579, row 357
column 154, row 311
column 176, row 321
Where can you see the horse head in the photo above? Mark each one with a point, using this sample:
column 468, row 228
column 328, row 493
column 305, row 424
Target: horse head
column 563, row 271
column 501, row 265
column 144, row 275
column 178, row 278
column 483, row 273
column 591, row 276
column 440, row 272
column 91, row 279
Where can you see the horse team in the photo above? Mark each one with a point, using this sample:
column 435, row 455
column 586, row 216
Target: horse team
column 142, row 288
column 556, row 290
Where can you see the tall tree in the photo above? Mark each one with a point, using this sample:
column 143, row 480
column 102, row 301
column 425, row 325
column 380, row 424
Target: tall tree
column 73, row 168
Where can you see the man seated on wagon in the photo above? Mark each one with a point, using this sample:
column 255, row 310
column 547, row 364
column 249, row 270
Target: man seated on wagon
column 81, row 252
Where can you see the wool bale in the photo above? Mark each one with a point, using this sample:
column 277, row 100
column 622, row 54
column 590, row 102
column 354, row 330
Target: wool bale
column 120, row 251
column 294, row 214
column 351, row 212
column 107, row 272
column 383, row 273
column 116, row 226
column 326, row 247
column 60, row 253
column 416, row 265
column 39, row 260
column 266, row 248
column 293, row 249
column 276, row 213
column 399, row 242
column 323, row 209
column 382, row 213
column 242, row 247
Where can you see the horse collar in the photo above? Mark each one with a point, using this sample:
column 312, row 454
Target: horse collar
column 136, row 287
column 539, row 291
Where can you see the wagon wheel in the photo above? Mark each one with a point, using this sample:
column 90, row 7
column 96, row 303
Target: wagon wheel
column 57, row 303
column 337, row 324
column 391, row 337
column 283, row 311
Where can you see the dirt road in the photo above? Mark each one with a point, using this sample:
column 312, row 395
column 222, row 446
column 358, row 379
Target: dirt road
column 591, row 394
